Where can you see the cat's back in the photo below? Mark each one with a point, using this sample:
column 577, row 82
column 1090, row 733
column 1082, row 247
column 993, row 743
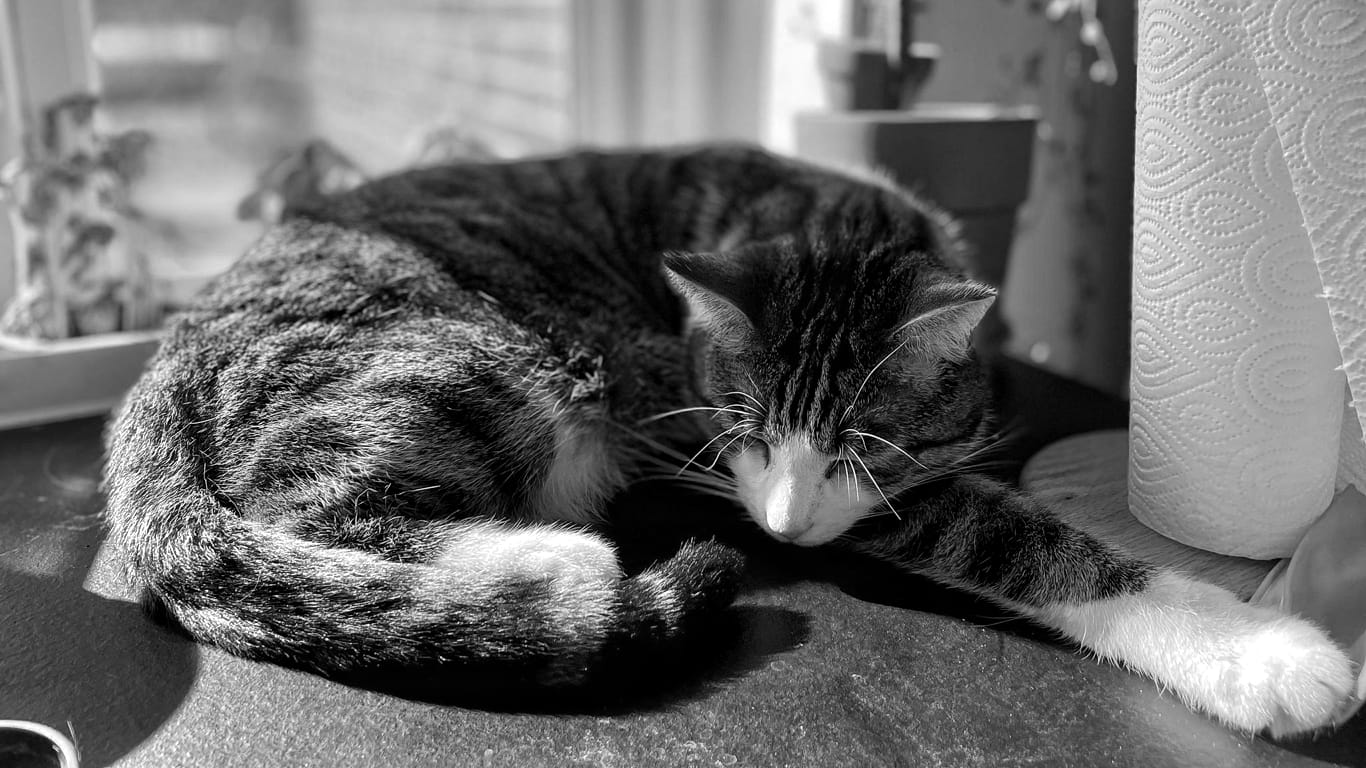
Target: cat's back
column 580, row 233
column 556, row 257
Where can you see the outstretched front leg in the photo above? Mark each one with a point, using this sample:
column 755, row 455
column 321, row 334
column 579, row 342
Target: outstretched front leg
column 1254, row 668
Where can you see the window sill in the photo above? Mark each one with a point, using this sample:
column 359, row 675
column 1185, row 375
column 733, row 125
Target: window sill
column 51, row 381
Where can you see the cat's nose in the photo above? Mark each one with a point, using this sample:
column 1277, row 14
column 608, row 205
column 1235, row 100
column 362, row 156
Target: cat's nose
column 786, row 511
column 787, row 528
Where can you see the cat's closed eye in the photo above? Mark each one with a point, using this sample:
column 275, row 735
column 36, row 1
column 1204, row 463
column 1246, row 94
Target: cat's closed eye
column 759, row 444
column 838, row 466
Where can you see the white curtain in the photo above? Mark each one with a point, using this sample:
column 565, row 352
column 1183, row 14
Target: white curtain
column 665, row 72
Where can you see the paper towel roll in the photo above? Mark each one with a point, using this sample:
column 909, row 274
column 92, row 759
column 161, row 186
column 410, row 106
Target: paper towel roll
column 1311, row 57
column 1237, row 396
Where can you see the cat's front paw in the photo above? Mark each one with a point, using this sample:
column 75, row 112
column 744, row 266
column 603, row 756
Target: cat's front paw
column 1285, row 677
column 1252, row 667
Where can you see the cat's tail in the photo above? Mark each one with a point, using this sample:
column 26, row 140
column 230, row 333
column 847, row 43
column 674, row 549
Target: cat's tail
column 543, row 604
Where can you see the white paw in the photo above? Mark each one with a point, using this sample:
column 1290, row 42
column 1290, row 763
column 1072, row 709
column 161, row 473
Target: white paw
column 1284, row 676
column 1252, row 667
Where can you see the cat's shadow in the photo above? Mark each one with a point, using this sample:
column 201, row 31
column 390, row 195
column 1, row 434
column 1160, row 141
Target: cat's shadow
column 71, row 655
column 875, row 582
column 732, row 644
column 88, row 665
column 647, row 523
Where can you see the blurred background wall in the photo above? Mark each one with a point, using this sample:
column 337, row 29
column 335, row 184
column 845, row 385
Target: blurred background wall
column 1067, row 298
column 227, row 86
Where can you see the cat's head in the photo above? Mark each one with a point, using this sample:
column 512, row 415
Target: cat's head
column 843, row 373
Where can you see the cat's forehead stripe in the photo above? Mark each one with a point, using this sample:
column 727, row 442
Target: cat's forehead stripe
column 807, row 394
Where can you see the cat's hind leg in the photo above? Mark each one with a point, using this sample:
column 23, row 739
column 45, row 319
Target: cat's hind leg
column 570, row 582
column 390, row 524
column 1251, row 667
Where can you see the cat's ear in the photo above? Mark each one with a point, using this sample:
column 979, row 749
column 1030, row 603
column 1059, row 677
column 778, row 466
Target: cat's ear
column 940, row 322
column 722, row 290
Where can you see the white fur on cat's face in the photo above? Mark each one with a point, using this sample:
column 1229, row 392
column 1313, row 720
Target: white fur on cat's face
column 790, row 495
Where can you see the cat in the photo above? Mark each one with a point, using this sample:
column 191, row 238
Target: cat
column 296, row 178
column 383, row 438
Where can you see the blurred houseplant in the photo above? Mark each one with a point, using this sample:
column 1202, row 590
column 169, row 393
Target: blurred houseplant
column 80, row 248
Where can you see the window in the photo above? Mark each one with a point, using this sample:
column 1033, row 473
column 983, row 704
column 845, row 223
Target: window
column 226, row 88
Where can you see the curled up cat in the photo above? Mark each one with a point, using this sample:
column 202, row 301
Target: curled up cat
column 383, row 438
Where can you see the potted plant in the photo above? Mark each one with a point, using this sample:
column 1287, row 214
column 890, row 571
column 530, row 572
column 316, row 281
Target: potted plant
column 83, row 300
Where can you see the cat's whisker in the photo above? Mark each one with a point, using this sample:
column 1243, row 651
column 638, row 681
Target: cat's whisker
column 976, row 465
column 956, row 471
column 973, row 461
column 657, row 468
column 968, row 460
column 989, row 443
column 652, row 443
column 1009, row 431
column 683, row 483
column 670, row 471
column 848, row 484
column 758, row 407
column 725, row 447
column 859, row 391
column 710, row 494
column 999, row 620
column 709, row 444
column 873, row 480
column 850, row 479
column 419, row 490
column 851, row 432
column 752, row 383
column 705, row 489
column 718, row 493
column 879, row 512
column 843, row 538
column 889, row 443
column 714, row 479
column 692, row 475
column 996, row 440
column 694, row 409
column 651, row 455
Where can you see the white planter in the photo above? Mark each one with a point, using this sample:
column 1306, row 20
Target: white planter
column 42, row 381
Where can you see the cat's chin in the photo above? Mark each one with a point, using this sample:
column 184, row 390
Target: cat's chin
column 803, row 541
column 812, row 537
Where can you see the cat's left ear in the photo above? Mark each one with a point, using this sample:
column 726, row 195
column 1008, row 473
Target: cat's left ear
column 723, row 291
column 941, row 320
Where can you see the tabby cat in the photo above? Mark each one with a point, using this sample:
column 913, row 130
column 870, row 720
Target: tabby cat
column 383, row 438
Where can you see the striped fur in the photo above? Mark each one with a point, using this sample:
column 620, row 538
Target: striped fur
column 382, row 440
column 1251, row 667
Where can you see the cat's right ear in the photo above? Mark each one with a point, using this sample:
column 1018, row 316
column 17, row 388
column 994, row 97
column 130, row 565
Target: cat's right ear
column 721, row 290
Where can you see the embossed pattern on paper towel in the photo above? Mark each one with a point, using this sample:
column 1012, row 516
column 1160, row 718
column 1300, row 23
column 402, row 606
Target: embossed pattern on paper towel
column 1236, row 406
column 1311, row 55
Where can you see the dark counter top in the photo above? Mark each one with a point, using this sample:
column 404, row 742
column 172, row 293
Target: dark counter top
column 825, row 661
